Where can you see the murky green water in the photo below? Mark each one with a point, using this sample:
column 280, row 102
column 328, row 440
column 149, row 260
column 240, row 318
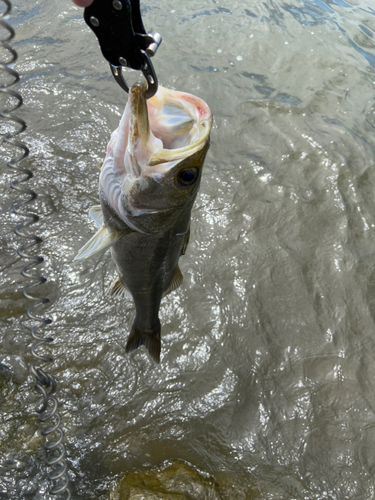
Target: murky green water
column 267, row 378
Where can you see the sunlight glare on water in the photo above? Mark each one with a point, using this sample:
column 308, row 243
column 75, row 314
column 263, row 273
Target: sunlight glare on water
column 267, row 382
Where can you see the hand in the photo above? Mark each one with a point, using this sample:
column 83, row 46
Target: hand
column 83, row 3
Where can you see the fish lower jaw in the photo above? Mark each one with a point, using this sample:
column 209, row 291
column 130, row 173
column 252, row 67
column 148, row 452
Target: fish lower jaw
column 132, row 165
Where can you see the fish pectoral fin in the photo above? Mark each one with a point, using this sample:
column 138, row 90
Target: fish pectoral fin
column 100, row 242
column 186, row 242
column 176, row 281
column 96, row 214
column 118, row 289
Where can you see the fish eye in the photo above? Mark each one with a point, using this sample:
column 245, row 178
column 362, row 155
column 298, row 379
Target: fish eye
column 188, row 176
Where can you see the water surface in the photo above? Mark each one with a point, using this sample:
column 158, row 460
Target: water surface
column 267, row 378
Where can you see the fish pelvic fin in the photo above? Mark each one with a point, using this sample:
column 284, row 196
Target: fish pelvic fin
column 150, row 339
column 100, row 242
column 176, row 281
column 118, row 289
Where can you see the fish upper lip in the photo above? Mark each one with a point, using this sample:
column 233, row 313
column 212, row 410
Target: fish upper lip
column 137, row 146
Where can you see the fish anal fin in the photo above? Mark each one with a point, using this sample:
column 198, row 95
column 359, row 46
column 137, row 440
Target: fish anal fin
column 118, row 289
column 100, row 242
column 150, row 339
column 175, row 282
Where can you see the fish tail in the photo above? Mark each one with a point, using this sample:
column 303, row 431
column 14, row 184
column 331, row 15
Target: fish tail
column 149, row 338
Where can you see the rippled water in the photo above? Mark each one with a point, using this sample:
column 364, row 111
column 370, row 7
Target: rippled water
column 267, row 377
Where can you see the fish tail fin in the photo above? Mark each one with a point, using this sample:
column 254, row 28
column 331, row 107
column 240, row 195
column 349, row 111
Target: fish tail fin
column 150, row 339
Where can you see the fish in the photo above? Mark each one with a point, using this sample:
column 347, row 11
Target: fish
column 147, row 187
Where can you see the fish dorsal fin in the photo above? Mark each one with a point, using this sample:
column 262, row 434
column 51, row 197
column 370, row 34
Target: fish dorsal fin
column 118, row 289
column 176, row 281
column 100, row 242
column 96, row 214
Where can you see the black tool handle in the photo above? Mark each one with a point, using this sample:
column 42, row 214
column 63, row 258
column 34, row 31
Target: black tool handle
column 116, row 23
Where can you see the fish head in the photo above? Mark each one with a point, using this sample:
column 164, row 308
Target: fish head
column 154, row 162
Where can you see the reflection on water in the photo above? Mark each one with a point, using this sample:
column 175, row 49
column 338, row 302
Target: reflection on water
column 266, row 381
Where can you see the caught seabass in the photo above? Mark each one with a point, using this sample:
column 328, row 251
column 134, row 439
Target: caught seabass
column 148, row 183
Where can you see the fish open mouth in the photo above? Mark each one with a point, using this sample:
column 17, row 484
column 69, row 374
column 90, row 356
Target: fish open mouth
column 162, row 130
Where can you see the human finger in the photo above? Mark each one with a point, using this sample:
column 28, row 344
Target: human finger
column 83, row 3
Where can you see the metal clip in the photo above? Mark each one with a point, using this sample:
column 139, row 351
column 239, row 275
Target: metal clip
column 148, row 72
column 123, row 39
column 153, row 40
column 147, row 68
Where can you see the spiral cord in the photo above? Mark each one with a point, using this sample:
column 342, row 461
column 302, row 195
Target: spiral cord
column 45, row 384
